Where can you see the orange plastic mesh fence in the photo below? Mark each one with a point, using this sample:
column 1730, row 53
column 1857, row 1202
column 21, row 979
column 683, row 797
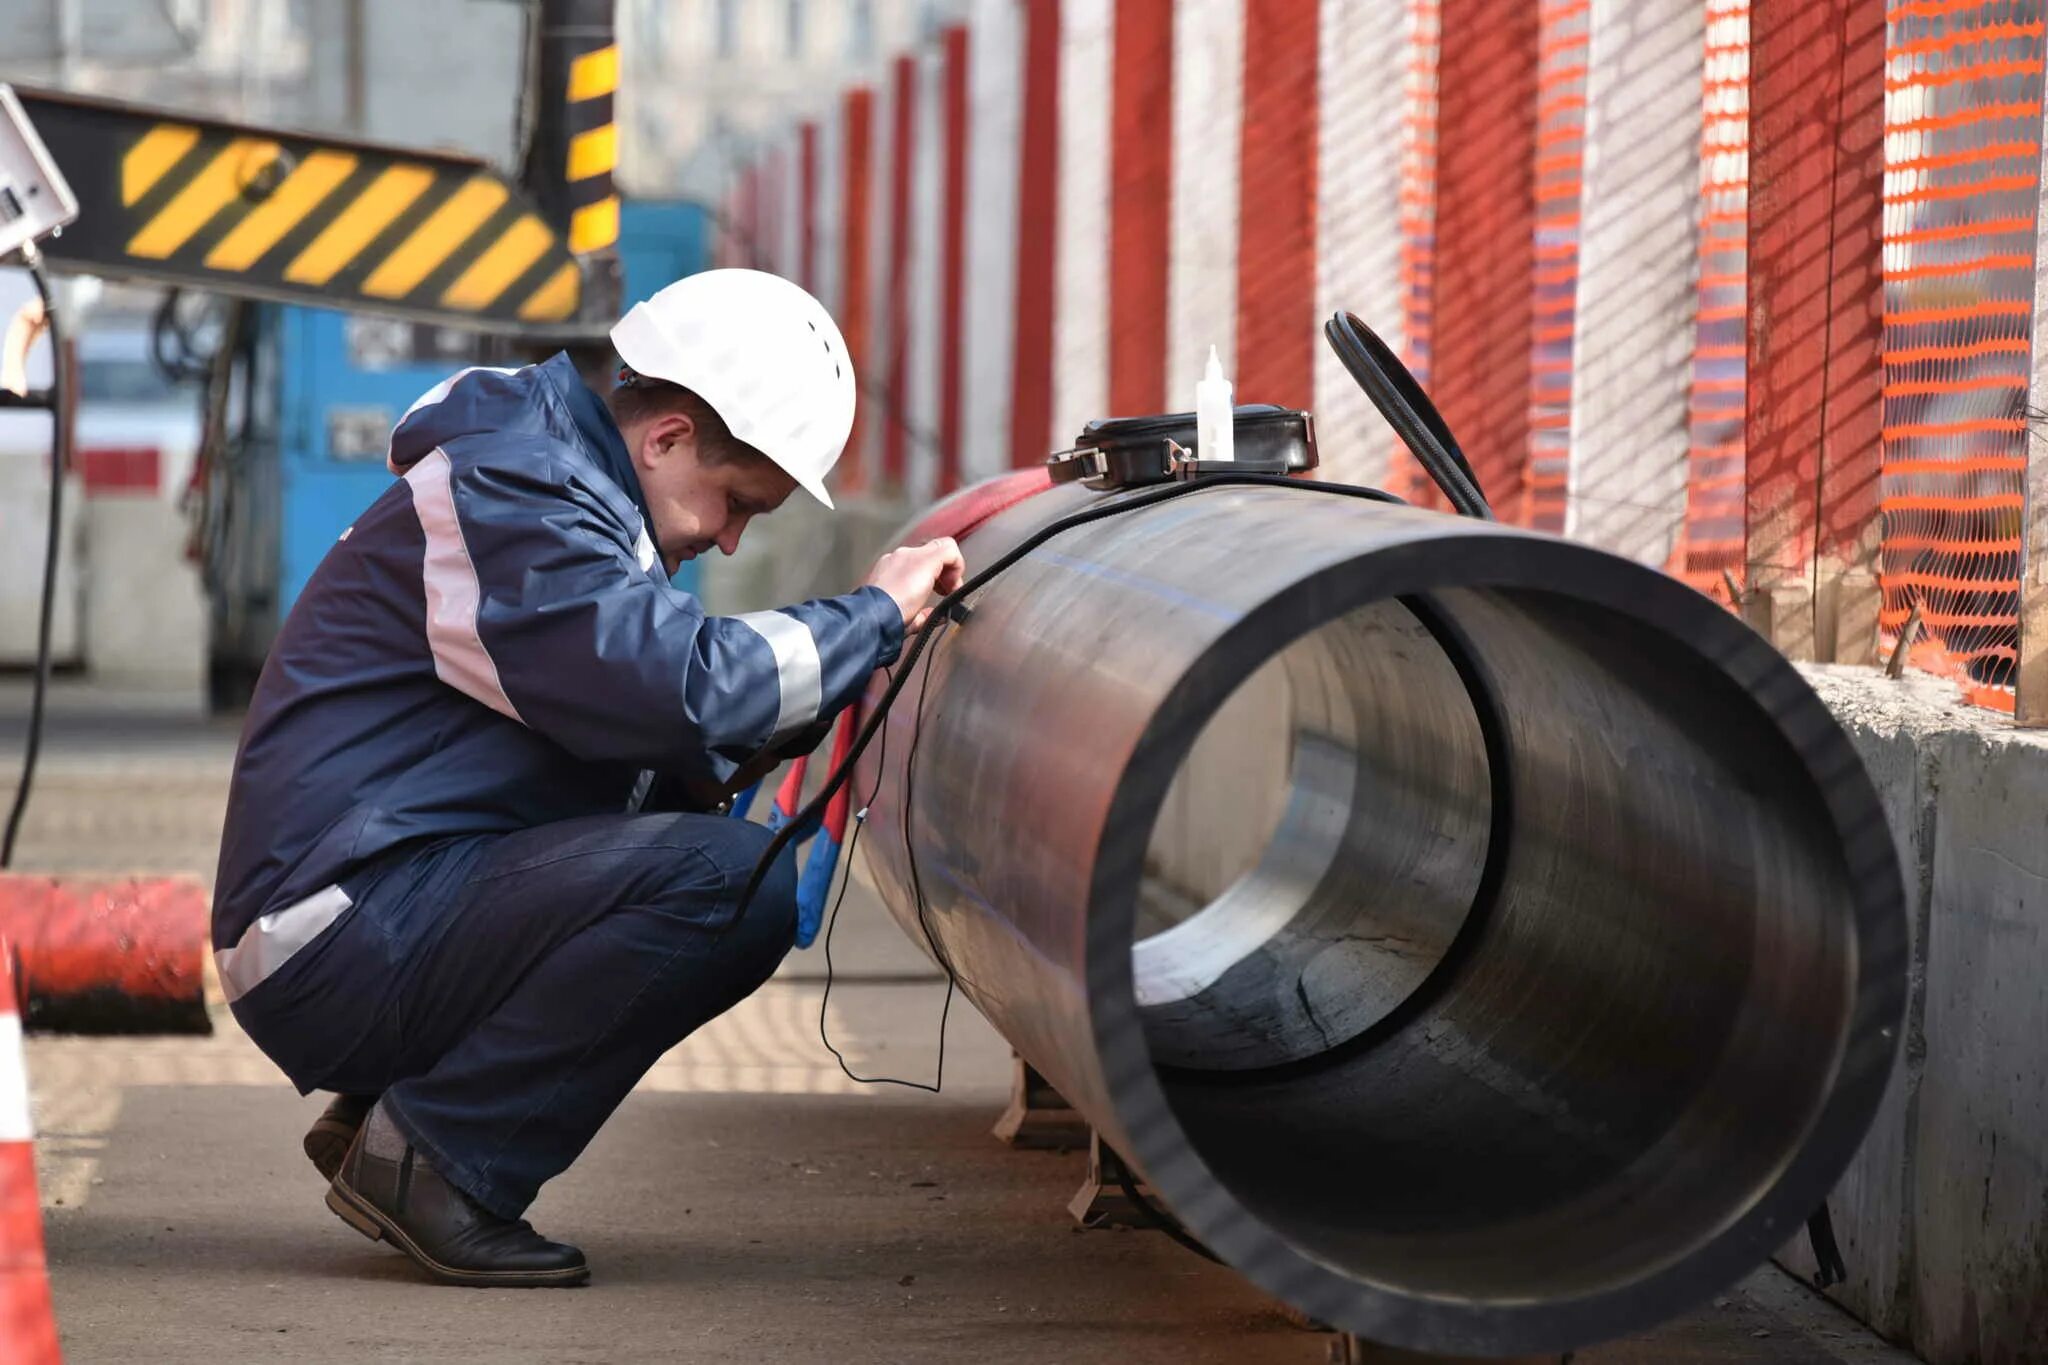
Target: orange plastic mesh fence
column 1560, row 160
column 1710, row 548
column 1962, row 160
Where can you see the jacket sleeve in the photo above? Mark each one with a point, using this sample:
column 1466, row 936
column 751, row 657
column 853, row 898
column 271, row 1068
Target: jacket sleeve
column 539, row 605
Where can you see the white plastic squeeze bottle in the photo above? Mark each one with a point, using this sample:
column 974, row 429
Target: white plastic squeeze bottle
column 1215, row 418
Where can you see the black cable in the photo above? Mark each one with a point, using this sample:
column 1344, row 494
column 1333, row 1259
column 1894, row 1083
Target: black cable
column 860, row 822
column 60, row 462
column 187, row 365
column 947, row 605
column 1160, row 1218
column 832, row 920
column 1375, row 368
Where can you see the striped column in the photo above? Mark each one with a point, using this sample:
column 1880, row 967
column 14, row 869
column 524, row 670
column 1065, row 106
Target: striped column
column 1560, row 163
column 2030, row 703
column 1081, row 308
column 1208, row 106
column 956, row 84
column 927, row 233
column 1962, row 177
column 1637, row 262
column 1418, row 226
column 1711, row 540
column 725, row 247
column 1485, row 238
column 1276, row 252
column 854, row 271
column 826, row 214
column 996, row 55
column 752, row 246
column 806, row 201
column 900, row 245
column 1140, row 223
column 1038, row 190
column 1359, row 104
column 784, row 225
column 875, row 266
column 1816, row 333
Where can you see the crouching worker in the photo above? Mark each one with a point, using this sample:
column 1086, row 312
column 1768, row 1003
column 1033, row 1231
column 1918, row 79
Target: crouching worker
column 472, row 878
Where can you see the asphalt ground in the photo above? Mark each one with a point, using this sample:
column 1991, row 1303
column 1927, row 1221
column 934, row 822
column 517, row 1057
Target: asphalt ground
column 748, row 1202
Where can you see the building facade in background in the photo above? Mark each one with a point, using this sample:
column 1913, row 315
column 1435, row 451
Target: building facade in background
column 365, row 68
column 705, row 79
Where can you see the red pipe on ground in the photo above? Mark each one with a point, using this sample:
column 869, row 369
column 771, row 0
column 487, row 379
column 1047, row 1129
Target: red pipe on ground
column 108, row 954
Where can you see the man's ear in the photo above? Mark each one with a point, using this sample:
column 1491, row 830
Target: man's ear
column 664, row 435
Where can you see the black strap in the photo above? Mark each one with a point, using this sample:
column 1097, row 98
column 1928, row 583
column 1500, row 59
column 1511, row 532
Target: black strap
column 1827, row 1254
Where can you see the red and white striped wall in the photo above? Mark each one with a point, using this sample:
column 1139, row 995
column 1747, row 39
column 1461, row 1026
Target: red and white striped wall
column 1051, row 211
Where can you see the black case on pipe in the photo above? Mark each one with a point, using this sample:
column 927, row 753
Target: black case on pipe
column 1125, row 452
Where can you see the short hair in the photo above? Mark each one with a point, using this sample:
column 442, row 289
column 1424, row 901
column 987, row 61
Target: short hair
column 637, row 398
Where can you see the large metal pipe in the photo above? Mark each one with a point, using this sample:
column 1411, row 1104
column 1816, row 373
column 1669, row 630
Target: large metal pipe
column 1569, row 975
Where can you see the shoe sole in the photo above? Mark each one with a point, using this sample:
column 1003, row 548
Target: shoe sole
column 326, row 1144
column 359, row 1214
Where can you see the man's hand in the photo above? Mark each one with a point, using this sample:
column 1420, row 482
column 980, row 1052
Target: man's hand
column 912, row 574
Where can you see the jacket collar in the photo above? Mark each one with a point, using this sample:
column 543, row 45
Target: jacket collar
column 594, row 426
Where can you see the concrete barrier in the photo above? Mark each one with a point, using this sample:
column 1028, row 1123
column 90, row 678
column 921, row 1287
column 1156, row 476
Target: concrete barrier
column 1943, row 1215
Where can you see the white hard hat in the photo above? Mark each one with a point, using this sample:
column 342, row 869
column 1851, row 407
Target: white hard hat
column 762, row 352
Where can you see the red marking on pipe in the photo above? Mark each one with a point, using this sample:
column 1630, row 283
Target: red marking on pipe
column 1141, row 198
column 967, row 509
column 903, row 149
column 953, row 264
column 1485, row 238
column 112, row 947
column 1276, row 252
column 858, row 154
column 807, row 206
column 1037, row 228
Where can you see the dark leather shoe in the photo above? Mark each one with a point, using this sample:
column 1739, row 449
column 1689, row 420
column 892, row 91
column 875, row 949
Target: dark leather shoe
column 327, row 1141
column 448, row 1234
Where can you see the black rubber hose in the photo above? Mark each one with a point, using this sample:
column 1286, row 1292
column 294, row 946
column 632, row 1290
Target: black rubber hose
column 1393, row 390
column 60, row 461
column 948, row 604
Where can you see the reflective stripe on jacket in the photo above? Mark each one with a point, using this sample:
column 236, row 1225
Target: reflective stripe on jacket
column 494, row 645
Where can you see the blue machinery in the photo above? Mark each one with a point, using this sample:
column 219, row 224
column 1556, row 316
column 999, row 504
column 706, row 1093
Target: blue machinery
column 343, row 380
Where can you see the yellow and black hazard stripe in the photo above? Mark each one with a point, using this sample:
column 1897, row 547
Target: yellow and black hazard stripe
column 593, row 153
column 264, row 213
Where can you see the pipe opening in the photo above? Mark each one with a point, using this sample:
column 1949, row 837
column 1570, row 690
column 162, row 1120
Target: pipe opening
column 1317, row 851
column 1633, row 1037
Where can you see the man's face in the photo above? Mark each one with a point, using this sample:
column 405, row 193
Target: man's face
column 698, row 503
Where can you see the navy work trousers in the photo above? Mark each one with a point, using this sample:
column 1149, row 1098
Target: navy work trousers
column 504, row 993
